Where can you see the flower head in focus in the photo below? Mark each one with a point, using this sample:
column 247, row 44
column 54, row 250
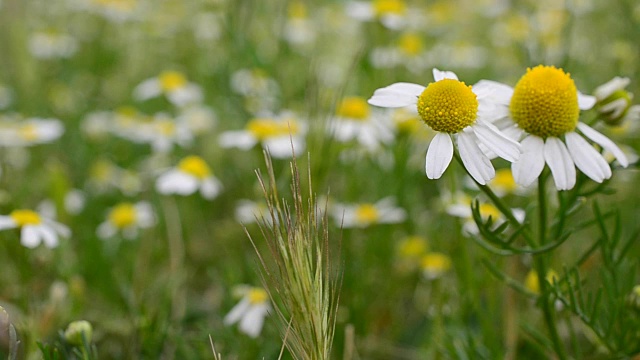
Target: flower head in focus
column 544, row 109
column 190, row 175
column 34, row 228
column 453, row 110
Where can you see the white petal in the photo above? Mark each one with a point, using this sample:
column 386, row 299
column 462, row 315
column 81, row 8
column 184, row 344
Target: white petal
column 439, row 75
column 210, row 188
column 605, row 142
column 6, row 222
column 531, row 162
column 439, row 155
column 494, row 140
column 239, row 139
column 605, row 90
column 148, row 89
column 280, row 147
column 29, row 237
column 559, row 160
column 474, row 160
column 585, row 102
column 106, row 230
column 237, row 312
column 459, row 210
column 397, row 95
column 48, row 235
column 360, row 10
column 251, row 322
column 586, row 158
column 498, row 92
column 176, row 182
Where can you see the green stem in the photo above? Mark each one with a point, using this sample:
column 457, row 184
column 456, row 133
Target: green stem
column 545, row 303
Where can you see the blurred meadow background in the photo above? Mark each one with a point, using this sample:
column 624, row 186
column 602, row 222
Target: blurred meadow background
column 112, row 110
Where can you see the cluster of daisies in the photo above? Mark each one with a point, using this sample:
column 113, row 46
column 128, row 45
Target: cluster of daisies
column 533, row 124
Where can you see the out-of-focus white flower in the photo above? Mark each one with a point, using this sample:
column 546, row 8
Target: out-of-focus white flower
column 75, row 201
column 408, row 51
column 52, row 45
column 174, row 85
column 299, row 29
column 249, row 211
column 28, row 132
column 128, row 219
column 614, row 102
column 250, row 311
column 191, row 174
column 391, row 13
column 259, row 90
column 160, row 131
column 113, row 10
column 198, row 119
column 366, row 214
column 355, row 120
column 34, row 228
column 277, row 134
column 434, row 265
column 105, row 175
column 461, row 207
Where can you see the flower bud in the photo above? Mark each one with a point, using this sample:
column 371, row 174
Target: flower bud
column 77, row 330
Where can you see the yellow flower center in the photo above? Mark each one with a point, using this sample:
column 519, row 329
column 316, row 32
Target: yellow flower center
column 354, row 107
column 172, row 80
column 297, row 10
column 410, row 44
column 504, row 180
column 436, row 263
column 263, row 128
column 413, row 247
column 166, row 127
column 123, row 215
column 545, row 102
column 448, row 106
column 487, row 210
column 367, row 214
column 29, row 132
column 257, row 296
column 532, row 283
column 194, row 165
column 384, row 7
column 25, row 217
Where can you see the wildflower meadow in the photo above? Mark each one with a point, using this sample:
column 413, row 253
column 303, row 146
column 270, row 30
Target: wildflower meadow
column 329, row 179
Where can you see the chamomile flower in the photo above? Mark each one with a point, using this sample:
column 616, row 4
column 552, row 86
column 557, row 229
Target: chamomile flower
column 172, row 84
column 355, row 120
column 391, row 13
column 249, row 211
column 34, row 228
column 275, row 133
column 614, row 102
column 366, row 214
column 408, row 51
column 52, row 45
column 250, row 311
column 191, row 174
column 461, row 207
column 453, row 110
column 28, row 132
column 128, row 219
column 299, row 29
column 544, row 109
column 434, row 265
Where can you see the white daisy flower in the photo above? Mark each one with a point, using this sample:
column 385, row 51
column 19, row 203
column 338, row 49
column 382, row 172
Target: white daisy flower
column 191, row 174
column 34, row 228
column 52, row 45
column 434, row 265
column 354, row 120
column 409, row 51
column 127, row 218
column 174, row 85
column 453, row 109
column 277, row 134
column 250, row 311
column 365, row 214
column 544, row 110
column 614, row 102
column 461, row 207
column 249, row 211
column 391, row 13
column 29, row 132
